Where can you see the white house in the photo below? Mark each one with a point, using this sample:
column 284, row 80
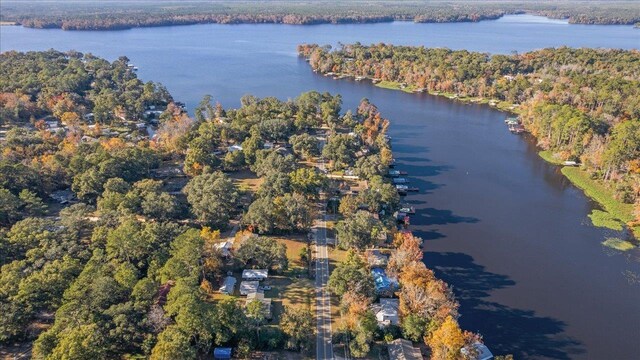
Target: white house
column 255, row 274
column 248, row 287
column 386, row 312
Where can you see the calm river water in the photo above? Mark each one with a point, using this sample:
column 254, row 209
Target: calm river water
column 503, row 227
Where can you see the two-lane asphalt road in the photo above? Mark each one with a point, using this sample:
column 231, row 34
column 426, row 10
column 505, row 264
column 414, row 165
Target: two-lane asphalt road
column 324, row 347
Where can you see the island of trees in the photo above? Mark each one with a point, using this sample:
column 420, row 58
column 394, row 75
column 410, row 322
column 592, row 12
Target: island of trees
column 114, row 241
column 114, row 15
column 582, row 105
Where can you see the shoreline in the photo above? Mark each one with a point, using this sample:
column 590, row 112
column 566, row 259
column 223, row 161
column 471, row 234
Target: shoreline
column 222, row 19
column 614, row 215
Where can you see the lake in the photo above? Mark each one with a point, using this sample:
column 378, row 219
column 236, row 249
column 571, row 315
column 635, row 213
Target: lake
column 505, row 229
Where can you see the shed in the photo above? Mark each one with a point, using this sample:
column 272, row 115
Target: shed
column 222, row 353
column 401, row 349
column 255, row 274
column 248, row 287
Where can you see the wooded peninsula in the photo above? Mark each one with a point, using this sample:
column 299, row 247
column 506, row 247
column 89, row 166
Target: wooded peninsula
column 582, row 105
column 118, row 15
column 125, row 223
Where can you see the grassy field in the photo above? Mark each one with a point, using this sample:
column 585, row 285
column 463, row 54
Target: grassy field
column 395, row 86
column 615, row 212
column 246, row 180
column 293, row 288
column 550, row 157
column 500, row 105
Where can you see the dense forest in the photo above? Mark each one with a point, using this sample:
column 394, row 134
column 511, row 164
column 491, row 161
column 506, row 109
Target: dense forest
column 112, row 15
column 70, row 86
column 581, row 104
column 110, row 241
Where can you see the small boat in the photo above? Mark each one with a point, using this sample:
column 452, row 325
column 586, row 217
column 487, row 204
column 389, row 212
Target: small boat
column 400, row 180
column 402, row 218
column 403, row 189
column 407, row 210
column 396, row 173
column 570, row 163
column 511, row 120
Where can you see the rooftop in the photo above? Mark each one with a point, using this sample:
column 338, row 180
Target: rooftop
column 401, row 349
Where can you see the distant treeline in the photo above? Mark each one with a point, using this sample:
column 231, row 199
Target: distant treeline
column 583, row 104
column 116, row 15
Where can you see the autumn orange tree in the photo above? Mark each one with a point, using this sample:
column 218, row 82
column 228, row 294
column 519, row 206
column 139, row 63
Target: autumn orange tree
column 408, row 251
column 447, row 341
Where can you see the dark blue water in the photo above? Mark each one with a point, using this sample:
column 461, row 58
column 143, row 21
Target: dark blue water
column 503, row 227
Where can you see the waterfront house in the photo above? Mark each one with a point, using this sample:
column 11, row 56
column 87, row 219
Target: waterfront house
column 386, row 311
column 384, row 284
column 481, row 351
column 401, row 349
column 376, row 259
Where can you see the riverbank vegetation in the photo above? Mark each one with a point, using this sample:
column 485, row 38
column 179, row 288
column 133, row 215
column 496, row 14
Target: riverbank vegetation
column 116, row 15
column 580, row 104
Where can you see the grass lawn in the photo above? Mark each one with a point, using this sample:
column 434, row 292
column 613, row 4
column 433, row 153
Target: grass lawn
column 395, row 86
column 289, row 291
column 550, row 157
column 245, row 180
column 293, row 288
column 616, row 210
column 294, row 244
